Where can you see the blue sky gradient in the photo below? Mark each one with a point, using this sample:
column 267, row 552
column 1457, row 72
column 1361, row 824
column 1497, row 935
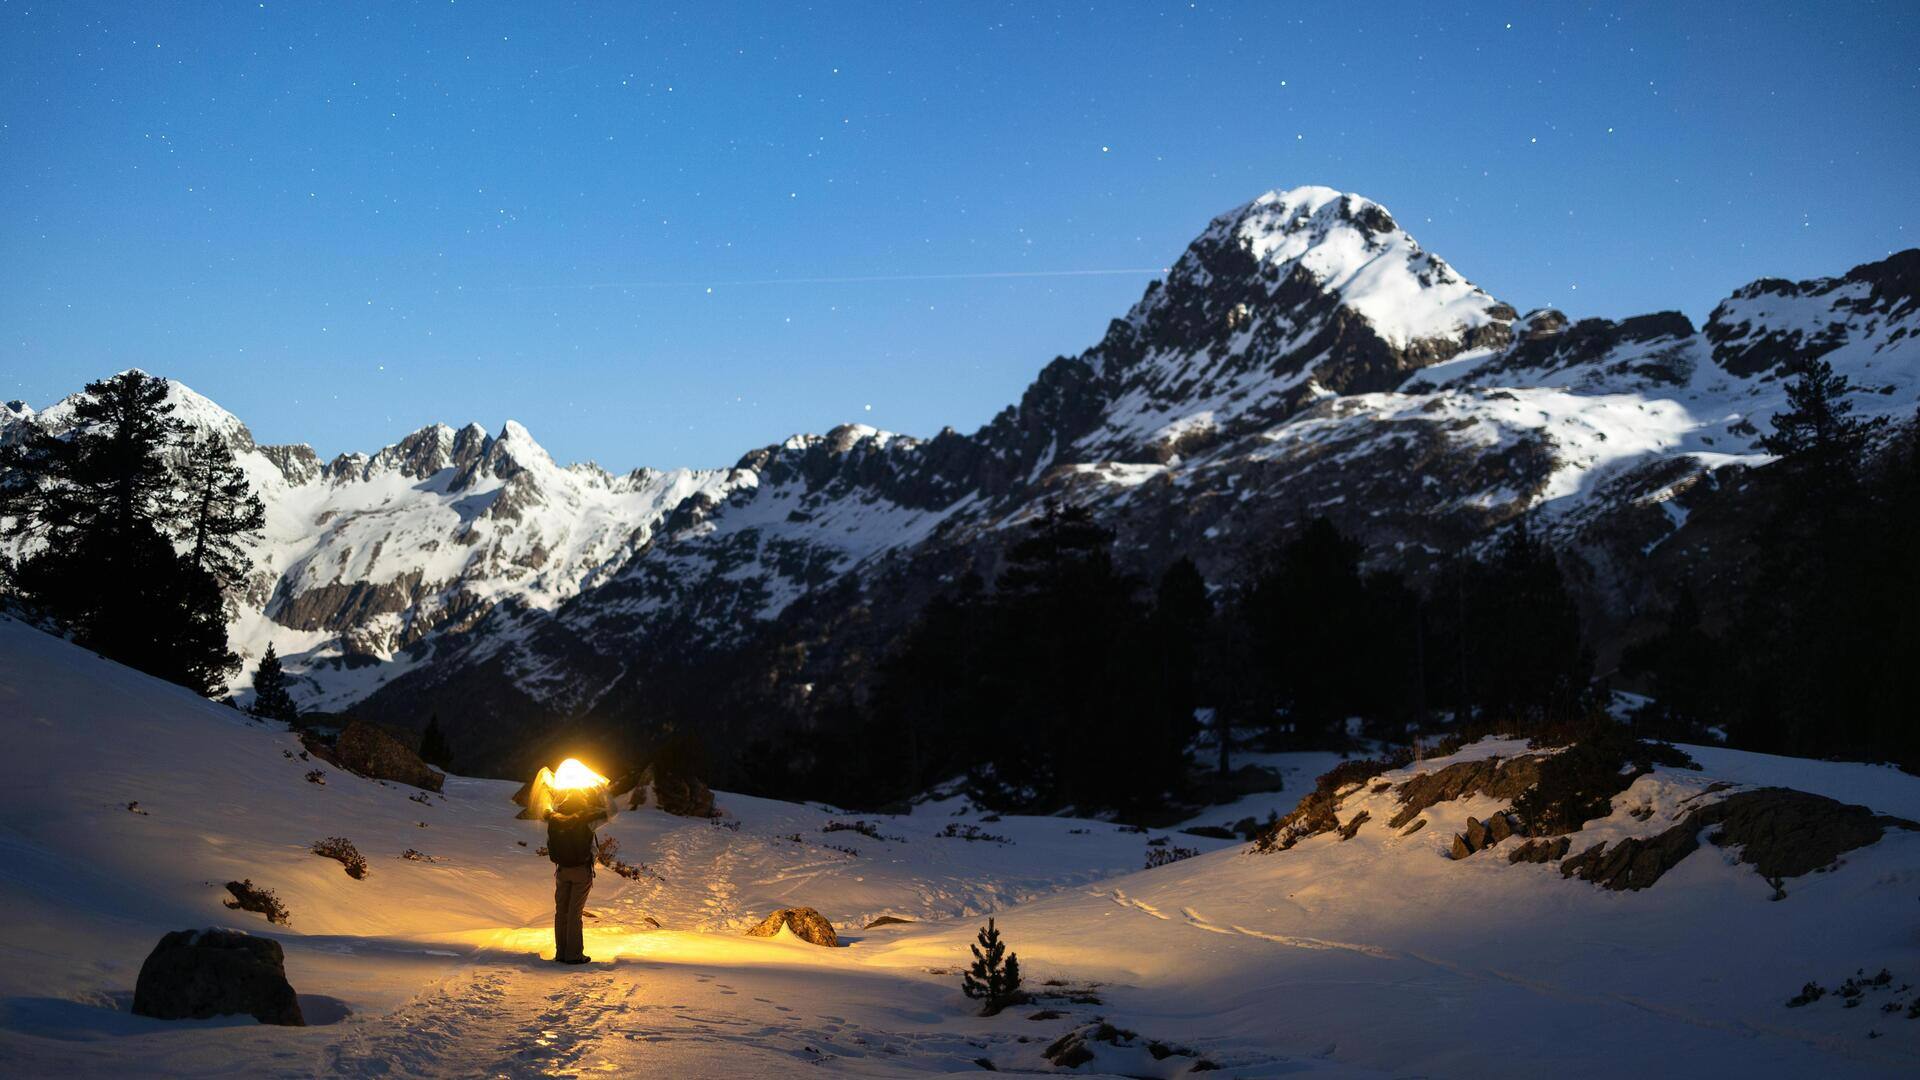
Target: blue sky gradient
column 610, row 222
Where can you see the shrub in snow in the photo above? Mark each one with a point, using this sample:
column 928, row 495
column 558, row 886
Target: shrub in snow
column 1164, row 855
column 249, row 897
column 341, row 850
column 973, row 832
column 994, row 978
column 607, row 851
column 1578, row 784
column 416, row 856
column 316, row 776
column 865, row 828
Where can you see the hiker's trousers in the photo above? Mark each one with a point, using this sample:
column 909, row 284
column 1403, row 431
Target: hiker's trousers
column 570, row 887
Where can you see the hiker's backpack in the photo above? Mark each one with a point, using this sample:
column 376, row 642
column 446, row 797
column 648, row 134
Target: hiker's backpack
column 569, row 841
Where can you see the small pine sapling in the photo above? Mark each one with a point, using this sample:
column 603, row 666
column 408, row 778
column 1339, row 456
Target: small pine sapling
column 995, row 976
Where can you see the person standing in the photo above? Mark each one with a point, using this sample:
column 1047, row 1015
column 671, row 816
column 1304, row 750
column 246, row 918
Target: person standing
column 571, row 846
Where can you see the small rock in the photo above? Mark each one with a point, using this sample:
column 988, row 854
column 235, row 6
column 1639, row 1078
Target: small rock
column 1348, row 830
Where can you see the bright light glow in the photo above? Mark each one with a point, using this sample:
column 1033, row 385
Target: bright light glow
column 571, row 776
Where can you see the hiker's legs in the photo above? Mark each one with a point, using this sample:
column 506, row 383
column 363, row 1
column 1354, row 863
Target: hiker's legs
column 571, row 884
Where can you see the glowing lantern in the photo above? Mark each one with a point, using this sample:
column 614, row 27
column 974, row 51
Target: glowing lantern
column 551, row 786
column 571, row 776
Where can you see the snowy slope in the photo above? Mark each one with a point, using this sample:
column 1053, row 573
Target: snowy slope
column 1369, row 957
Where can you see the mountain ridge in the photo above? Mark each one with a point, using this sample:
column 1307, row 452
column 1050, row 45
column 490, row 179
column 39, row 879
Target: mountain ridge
column 1303, row 356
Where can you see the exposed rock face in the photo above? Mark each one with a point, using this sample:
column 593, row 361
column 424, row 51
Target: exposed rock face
column 679, row 794
column 1481, row 835
column 196, row 974
column 1316, row 812
column 1498, row 778
column 1780, row 832
column 1771, row 322
column 806, row 924
column 367, row 750
column 1541, row 851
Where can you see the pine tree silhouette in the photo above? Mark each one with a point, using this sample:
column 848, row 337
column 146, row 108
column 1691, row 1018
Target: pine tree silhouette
column 994, row 978
column 433, row 744
column 107, row 505
column 270, row 698
column 1817, row 433
column 217, row 509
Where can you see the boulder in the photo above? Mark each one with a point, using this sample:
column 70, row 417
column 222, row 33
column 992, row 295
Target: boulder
column 675, row 793
column 1499, row 827
column 1477, row 834
column 371, row 752
column 1460, row 850
column 806, row 924
column 1541, row 851
column 196, row 974
column 1780, row 832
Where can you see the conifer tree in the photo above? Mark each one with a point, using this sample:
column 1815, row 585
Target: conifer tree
column 433, row 744
column 1182, row 625
column 107, row 515
column 1817, row 435
column 217, row 509
column 271, row 701
column 994, row 978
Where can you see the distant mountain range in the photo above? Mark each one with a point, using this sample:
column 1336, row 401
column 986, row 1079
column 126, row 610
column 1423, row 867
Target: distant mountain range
column 1305, row 356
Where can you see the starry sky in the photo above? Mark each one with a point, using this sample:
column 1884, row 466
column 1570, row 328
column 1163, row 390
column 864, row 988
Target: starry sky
column 667, row 234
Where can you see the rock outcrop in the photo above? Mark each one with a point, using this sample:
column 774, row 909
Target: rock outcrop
column 371, row 752
column 1497, row 778
column 676, row 793
column 805, row 923
column 1780, row 832
column 197, row 974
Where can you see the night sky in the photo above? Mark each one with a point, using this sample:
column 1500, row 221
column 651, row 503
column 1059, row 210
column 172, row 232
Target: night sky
column 665, row 235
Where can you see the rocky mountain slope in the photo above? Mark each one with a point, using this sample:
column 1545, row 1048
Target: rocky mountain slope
column 1304, row 356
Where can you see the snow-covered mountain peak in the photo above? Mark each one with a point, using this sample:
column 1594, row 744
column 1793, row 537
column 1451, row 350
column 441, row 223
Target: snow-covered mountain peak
column 1353, row 248
column 190, row 407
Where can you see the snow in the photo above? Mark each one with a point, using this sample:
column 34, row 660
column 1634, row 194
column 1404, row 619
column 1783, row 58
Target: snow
column 1406, row 293
column 1371, row 957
